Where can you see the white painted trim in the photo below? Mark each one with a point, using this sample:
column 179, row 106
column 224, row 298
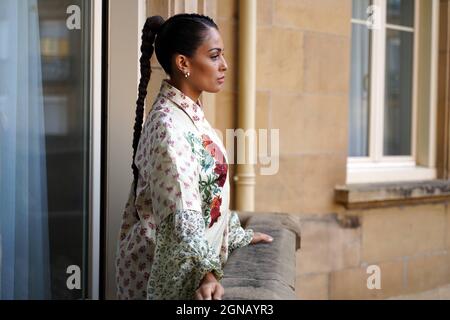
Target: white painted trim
column 391, row 164
column 378, row 73
column 373, row 98
column 359, row 21
column 387, row 159
column 401, row 28
column 389, row 174
column 415, row 80
column 95, row 148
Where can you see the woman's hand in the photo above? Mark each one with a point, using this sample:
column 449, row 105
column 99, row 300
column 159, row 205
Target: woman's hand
column 261, row 237
column 209, row 289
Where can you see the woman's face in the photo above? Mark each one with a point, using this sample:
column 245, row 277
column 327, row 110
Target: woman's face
column 208, row 65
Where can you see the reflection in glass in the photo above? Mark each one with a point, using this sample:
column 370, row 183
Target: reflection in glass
column 359, row 9
column 65, row 65
column 400, row 12
column 359, row 92
column 44, row 153
column 398, row 97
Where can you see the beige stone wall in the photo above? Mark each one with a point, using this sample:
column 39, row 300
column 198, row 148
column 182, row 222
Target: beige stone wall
column 303, row 64
column 410, row 244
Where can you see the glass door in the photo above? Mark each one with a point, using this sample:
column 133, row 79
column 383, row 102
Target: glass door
column 45, row 148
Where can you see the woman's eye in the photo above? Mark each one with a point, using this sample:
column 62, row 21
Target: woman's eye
column 215, row 57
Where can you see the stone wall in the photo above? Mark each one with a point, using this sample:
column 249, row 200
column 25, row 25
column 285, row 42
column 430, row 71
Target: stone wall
column 410, row 244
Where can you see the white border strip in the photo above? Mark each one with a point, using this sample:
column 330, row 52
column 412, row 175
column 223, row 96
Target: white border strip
column 96, row 131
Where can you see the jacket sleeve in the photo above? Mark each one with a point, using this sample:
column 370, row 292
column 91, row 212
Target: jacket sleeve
column 238, row 237
column 168, row 168
column 199, row 257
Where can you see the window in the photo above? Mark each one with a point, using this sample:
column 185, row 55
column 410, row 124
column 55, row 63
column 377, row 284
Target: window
column 392, row 90
column 45, row 149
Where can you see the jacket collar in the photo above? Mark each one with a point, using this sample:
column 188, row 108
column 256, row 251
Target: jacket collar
column 193, row 110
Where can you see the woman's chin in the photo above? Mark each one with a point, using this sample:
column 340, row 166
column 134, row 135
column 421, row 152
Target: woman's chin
column 214, row 90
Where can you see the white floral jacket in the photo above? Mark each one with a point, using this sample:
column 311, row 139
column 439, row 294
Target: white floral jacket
column 179, row 226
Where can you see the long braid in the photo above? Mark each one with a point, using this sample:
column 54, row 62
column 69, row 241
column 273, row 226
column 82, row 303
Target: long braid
column 151, row 27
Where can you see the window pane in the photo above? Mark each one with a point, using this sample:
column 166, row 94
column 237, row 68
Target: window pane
column 400, row 12
column 44, row 136
column 359, row 92
column 398, row 97
column 359, row 9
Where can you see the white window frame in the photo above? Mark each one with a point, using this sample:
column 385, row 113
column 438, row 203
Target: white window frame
column 95, row 150
column 379, row 168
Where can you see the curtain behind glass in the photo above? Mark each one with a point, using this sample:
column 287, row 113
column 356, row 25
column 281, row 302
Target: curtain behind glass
column 24, row 251
column 359, row 92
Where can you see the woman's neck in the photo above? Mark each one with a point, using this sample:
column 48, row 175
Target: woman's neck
column 184, row 87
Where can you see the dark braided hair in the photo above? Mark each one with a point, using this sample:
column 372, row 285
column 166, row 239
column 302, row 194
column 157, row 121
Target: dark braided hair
column 180, row 34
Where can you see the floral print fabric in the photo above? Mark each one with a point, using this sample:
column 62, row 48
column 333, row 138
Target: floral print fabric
column 179, row 226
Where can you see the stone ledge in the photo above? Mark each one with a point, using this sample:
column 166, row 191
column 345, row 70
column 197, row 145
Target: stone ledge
column 264, row 271
column 275, row 219
column 365, row 196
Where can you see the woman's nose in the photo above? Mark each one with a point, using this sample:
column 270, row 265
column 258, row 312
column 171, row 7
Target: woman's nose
column 224, row 64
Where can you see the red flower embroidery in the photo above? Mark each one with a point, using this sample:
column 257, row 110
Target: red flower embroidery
column 221, row 167
column 215, row 210
column 221, row 170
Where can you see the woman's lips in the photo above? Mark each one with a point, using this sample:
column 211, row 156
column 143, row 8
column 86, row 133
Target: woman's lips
column 221, row 80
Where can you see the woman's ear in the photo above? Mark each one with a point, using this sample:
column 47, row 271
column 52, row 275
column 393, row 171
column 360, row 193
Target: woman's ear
column 182, row 63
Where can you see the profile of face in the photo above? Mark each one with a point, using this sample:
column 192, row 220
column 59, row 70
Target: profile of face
column 207, row 66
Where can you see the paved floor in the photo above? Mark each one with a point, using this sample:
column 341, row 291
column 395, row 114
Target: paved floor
column 441, row 293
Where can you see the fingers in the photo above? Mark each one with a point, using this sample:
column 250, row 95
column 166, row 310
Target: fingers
column 218, row 292
column 198, row 295
column 204, row 292
column 210, row 291
column 261, row 237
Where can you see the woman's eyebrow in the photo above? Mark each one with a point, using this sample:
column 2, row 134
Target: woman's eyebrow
column 220, row 49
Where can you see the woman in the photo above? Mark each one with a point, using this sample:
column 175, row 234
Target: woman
column 177, row 229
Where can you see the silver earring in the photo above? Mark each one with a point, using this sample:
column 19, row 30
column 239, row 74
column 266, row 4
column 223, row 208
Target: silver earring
column 187, row 74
